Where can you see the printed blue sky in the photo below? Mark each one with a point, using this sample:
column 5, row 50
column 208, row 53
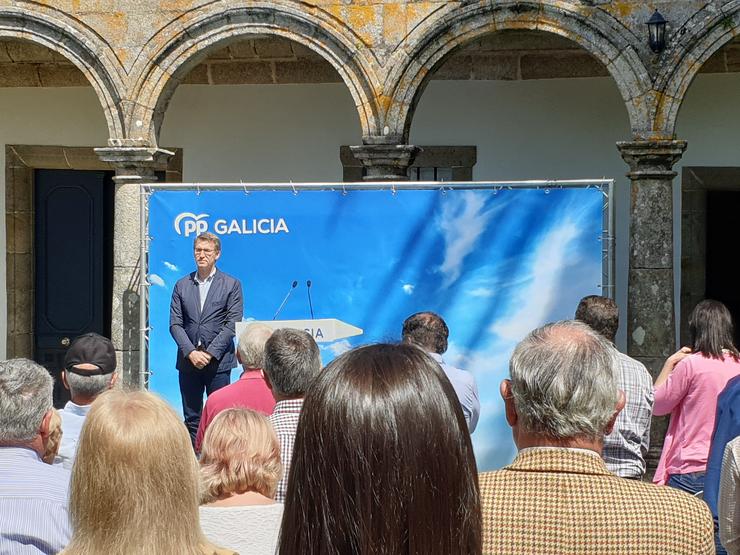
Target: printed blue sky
column 495, row 265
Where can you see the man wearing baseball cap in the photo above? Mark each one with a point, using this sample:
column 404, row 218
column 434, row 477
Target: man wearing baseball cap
column 89, row 369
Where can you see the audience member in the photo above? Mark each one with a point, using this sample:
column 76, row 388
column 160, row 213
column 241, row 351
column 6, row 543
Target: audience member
column 135, row 481
column 250, row 390
column 558, row 496
column 292, row 361
column 33, row 495
column 429, row 331
column 89, row 369
column 726, row 428
column 383, row 461
column 240, row 468
column 625, row 448
column 729, row 492
column 688, row 391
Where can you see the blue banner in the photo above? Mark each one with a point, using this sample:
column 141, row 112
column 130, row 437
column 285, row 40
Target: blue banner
column 494, row 263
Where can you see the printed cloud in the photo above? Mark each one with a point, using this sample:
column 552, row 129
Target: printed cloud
column 154, row 279
column 462, row 222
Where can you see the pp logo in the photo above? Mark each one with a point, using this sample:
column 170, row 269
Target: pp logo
column 191, row 223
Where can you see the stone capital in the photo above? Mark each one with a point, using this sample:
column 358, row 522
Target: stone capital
column 651, row 159
column 385, row 162
column 134, row 164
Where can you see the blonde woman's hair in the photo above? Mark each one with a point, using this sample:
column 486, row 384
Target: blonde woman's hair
column 55, row 438
column 240, row 453
column 134, row 483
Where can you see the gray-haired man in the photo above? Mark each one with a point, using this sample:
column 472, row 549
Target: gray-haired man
column 89, row 369
column 558, row 496
column 292, row 361
column 33, row 494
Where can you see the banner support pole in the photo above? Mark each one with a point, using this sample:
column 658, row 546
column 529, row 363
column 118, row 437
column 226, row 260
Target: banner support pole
column 143, row 297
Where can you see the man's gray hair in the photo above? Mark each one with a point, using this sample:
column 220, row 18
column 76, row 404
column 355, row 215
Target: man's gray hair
column 563, row 381
column 88, row 386
column 25, row 397
column 251, row 345
column 292, row 361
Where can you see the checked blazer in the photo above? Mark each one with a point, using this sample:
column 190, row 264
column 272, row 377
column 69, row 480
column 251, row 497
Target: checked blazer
column 561, row 501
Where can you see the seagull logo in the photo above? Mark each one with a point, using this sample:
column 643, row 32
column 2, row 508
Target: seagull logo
column 192, row 223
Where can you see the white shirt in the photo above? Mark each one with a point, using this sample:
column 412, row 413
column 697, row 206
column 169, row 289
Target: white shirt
column 204, row 286
column 248, row 530
column 73, row 417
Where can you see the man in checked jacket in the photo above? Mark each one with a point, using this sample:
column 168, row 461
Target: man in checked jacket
column 558, row 497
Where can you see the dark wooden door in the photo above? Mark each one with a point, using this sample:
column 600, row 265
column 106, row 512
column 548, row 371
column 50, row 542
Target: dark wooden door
column 73, row 271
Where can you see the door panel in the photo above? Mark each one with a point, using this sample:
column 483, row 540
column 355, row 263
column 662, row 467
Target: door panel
column 72, row 255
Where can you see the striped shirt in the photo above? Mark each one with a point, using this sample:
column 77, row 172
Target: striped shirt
column 33, row 504
column 625, row 448
column 729, row 490
column 285, row 421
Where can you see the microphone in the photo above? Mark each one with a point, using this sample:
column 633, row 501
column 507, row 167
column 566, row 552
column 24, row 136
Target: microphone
column 308, row 290
column 285, row 300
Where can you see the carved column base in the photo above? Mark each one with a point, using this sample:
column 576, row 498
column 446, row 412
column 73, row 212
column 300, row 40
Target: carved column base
column 385, row 162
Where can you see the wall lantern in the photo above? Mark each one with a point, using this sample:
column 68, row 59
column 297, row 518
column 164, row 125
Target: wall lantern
column 656, row 28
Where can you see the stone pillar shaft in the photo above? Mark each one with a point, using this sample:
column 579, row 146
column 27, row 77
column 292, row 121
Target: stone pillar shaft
column 385, row 162
column 651, row 326
column 134, row 166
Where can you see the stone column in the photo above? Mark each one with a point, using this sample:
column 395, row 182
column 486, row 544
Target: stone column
column 651, row 326
column 385, row 162
column 134, row 166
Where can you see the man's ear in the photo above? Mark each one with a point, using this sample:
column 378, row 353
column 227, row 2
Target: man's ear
column 113, row 380
column 238, row 357
column 621, row 401
column 511, row 415
column 44, row 426
column 64, row 379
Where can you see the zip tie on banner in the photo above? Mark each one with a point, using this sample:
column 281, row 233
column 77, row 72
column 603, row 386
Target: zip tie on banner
column 197, row 189
column 295, row 191
column 344, row 190
column 393, row 189
column 443, row 190
column 246, row 191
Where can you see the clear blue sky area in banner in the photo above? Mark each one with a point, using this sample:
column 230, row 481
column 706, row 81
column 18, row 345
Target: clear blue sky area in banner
column 495, row 265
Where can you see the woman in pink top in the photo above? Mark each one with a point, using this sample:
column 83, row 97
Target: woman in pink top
column 687, row 389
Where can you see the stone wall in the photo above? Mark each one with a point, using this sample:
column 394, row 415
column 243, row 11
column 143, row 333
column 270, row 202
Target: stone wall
column 134, row 53
column 509, row 56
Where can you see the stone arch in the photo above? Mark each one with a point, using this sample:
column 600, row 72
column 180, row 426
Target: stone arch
column 181, row 45
column 702, row 35
column 81, row 46
column 433, row 42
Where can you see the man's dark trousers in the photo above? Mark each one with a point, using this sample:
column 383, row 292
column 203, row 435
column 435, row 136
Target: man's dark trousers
column 211, row 329
column 192, row 385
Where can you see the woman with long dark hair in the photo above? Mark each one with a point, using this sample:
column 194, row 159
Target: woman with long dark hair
column 383, row 462
column 687, row 389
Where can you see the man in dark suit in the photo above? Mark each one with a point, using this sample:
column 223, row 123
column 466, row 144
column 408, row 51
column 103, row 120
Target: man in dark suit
column 205, row 306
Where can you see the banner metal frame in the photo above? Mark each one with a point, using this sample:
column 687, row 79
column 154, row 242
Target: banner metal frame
column 147, row 189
